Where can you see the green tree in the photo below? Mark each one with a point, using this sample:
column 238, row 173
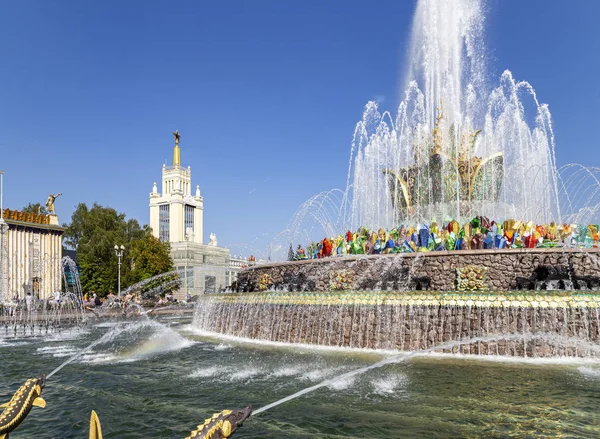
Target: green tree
column 94, row 232
column 148, row 257
column 35, row 208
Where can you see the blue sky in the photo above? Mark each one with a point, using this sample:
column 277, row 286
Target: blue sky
column 266, row 95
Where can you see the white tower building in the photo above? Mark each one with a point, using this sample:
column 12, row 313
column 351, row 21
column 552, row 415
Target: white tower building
column 176, row 217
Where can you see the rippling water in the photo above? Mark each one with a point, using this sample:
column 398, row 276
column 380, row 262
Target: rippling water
column 154, row 380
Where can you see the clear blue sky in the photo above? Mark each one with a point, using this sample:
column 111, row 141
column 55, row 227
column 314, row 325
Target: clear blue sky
column 265, row 93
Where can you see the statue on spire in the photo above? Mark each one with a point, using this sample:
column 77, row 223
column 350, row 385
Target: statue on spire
column 176, row 151
column 177, row 136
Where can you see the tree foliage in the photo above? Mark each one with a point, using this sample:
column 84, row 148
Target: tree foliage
column 35, row 208
column 148, row 257
column 94, row 232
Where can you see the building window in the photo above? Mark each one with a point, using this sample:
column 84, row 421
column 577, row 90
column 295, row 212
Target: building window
column 227, row 279
column 210, row 283
column 163, row 222
column 189, row 218
column 190, row 277
column 186, row 276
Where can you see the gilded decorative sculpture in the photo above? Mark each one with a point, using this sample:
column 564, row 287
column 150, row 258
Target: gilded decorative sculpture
column 266, row 281
column 19, row 406
column 219, row 426
column 50, row 202
column 443, row 174
column 471, row 278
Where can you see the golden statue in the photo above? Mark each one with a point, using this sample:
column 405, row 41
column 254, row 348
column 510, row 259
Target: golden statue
column 219, row 426
column 177, row 136
column 19, row 406
column 50, row 202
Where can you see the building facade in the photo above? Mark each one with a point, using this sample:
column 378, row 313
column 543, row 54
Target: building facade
column 30, row 254
column 176, row 217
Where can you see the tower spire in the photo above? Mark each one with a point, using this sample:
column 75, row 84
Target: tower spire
column 176, row 150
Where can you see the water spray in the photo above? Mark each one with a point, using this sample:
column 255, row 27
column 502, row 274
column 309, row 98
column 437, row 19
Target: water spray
column 104, row 338
column 398, row 358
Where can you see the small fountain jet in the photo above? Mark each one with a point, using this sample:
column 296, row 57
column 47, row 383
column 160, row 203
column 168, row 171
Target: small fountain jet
column 19, row 406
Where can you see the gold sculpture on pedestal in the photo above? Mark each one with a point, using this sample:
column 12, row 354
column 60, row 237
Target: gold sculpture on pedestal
column 444, row 172
column 50, row 202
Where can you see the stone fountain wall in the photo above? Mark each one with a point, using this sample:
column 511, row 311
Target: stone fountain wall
column 547, row 324
column 398, row 271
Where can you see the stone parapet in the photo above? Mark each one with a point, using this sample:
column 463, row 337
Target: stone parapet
column 397, row 271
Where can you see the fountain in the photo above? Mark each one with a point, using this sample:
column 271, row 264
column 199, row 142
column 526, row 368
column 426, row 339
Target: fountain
column 430, row 161
column 456, row 153
column 32, row 316
column 454, row 148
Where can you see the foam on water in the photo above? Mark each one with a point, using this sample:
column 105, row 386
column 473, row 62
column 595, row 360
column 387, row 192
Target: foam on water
column 590, row 372
column 342, row 383
column 58, row 351
column 163, row 341
column 98, row 358
column 389, row 384
column 8, row 343
column 119, row 344
column 567, row 361
column 246, row 374
column 281, row 344
column 207, row 372
column 383, row 353
column 320, row 373
column 106, row 324
column 72, row 334
column 287, row 371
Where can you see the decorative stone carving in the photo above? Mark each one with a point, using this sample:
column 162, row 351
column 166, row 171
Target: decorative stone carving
column 340, row 280
column 265, row 282
column 471, row 278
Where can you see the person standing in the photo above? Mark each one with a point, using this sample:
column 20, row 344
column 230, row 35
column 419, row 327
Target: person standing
column 28, row 300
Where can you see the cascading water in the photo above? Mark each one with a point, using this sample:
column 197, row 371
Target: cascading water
column 446, row 103
column 514, row 324
column 456, row 147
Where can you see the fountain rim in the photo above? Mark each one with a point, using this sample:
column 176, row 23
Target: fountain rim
column 352, row 258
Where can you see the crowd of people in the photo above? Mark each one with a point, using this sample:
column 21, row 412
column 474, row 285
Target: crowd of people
column 57, row 301
column 478, row 234
column 92, row 300
column 29, row 303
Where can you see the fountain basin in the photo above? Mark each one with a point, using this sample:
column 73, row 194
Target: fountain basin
column 530, row 324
